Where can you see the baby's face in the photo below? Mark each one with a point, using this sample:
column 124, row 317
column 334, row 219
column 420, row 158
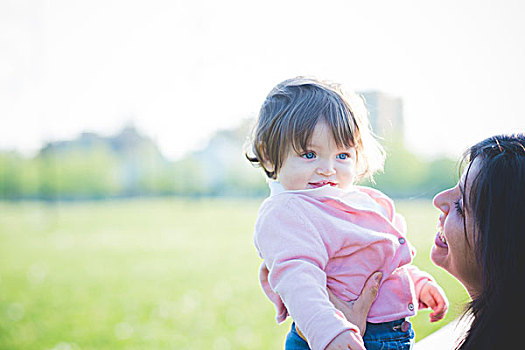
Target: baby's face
column 321, row 164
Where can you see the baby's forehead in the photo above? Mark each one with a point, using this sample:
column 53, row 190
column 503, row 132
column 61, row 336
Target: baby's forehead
column 332, row 144
column 322, row 147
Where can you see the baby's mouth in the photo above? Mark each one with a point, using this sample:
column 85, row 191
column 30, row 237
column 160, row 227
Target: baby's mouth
column 322, row 183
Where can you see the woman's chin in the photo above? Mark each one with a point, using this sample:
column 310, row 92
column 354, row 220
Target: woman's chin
column 439, row 255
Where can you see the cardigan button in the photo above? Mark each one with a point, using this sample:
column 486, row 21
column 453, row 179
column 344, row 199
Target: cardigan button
column 411, row 307
column 401, row 240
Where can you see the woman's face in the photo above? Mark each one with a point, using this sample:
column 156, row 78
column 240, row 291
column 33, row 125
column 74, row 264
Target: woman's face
column 453, row 248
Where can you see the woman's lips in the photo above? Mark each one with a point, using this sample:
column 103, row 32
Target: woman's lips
column 440, row 240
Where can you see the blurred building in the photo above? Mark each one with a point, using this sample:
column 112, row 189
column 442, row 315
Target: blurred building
column 385, row 113
column 134, row 156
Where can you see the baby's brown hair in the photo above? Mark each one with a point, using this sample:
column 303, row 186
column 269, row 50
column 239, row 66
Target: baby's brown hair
column 290, row 113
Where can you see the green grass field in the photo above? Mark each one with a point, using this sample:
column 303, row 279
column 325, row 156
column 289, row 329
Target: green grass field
column 152, row 274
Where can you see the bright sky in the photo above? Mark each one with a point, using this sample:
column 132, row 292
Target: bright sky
column 182, row 69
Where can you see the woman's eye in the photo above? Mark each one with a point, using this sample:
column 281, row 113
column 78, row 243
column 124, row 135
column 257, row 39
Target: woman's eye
column 457, row 204
column 309, row 155
column 343, row 156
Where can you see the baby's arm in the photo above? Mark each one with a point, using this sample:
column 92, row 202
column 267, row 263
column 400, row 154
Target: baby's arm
column 429, row 293
column 434, row 297
column 295, row 254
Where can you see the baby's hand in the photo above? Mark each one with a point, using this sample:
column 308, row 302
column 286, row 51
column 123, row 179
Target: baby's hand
column 434, row 297
column 347, row 340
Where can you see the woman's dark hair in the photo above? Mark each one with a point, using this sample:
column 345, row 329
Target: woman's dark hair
column 496, row 203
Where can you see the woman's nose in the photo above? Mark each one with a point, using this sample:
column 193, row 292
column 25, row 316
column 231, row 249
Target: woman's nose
column 440, row 200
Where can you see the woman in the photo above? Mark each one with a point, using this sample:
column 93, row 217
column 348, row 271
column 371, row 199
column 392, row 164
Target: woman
column 481, row 242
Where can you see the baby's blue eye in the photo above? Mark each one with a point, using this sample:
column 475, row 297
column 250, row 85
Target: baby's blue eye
column 309, row 155
column 342, row 156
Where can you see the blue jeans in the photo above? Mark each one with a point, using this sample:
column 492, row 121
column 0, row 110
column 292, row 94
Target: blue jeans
column 378, row 336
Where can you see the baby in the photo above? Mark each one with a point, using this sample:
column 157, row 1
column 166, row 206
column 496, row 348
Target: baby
column 318, row 229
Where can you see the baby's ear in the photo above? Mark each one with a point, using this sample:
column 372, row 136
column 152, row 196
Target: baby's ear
column 268, row 166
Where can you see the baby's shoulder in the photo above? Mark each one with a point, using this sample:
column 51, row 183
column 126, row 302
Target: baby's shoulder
column 287, row 202
column 380, row 198
column 373, row 193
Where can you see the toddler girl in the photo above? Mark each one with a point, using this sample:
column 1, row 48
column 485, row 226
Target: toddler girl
column 318, row 229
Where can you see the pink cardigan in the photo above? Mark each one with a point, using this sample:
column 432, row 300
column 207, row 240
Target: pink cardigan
column 311, row 239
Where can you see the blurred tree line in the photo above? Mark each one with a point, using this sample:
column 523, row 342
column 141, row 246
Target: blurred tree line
column 409, row 175
column 129, row 164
